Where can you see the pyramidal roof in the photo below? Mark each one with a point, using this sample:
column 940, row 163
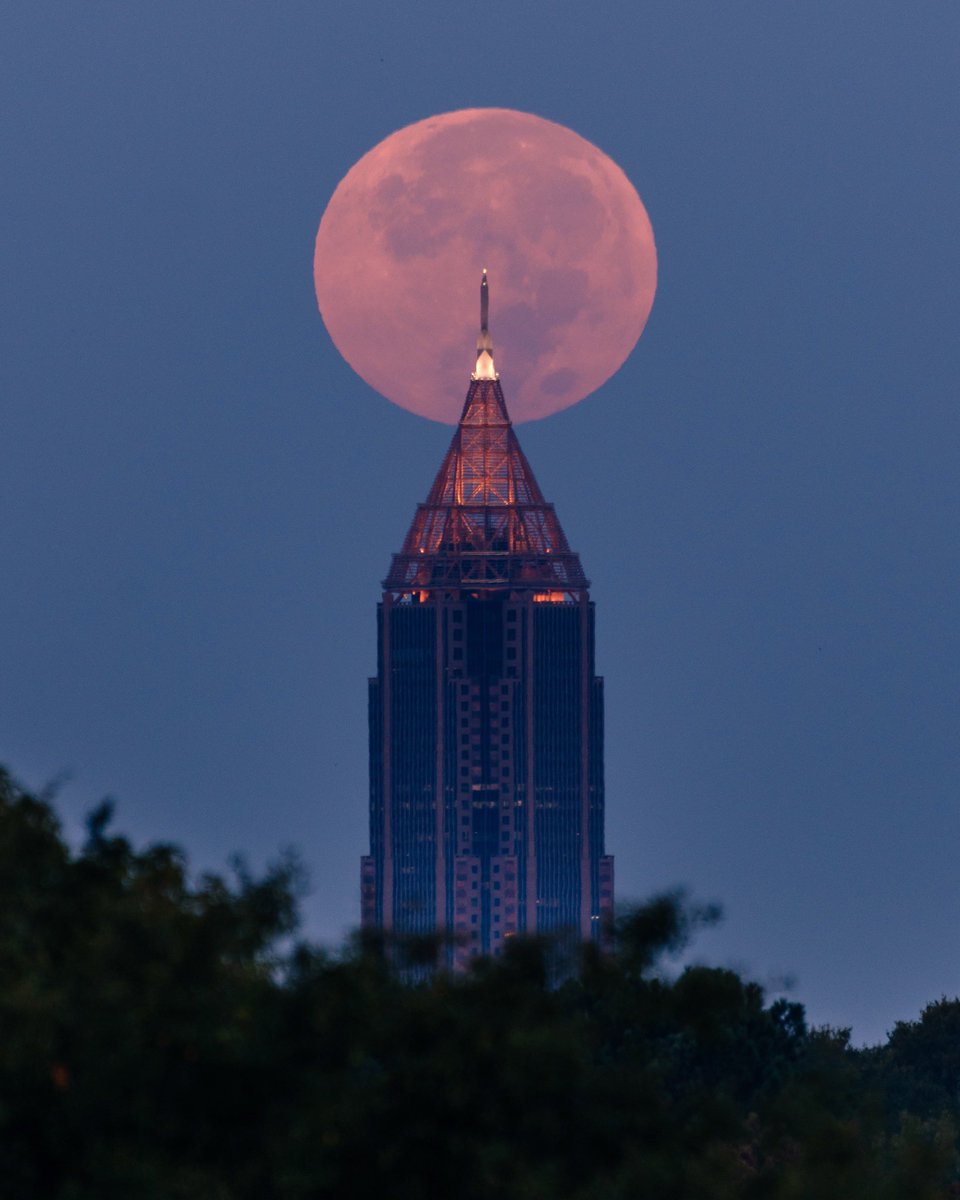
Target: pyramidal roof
column 485, row 524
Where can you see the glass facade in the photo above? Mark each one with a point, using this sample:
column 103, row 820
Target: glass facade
column 486, row 769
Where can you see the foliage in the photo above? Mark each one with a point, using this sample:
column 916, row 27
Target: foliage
column 165, row 1037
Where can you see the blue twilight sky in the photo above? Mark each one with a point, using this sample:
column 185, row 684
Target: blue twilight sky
column 198, row 498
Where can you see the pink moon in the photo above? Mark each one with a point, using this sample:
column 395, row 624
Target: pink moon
column 561, row 230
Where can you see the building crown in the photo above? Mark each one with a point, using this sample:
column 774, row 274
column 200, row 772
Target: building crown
column 485, row 524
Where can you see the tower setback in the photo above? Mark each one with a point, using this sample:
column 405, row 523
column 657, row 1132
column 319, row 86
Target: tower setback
column 486, row 715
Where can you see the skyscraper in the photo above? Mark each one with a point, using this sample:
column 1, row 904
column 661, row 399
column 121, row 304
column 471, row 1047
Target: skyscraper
column 486, row 715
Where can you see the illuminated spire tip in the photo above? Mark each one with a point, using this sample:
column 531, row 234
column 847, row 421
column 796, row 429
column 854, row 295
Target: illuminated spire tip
column 484, row 368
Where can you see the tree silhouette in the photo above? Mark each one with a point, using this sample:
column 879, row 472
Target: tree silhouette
column 167, row 1037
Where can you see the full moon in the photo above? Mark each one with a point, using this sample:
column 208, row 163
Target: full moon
column 561, row 230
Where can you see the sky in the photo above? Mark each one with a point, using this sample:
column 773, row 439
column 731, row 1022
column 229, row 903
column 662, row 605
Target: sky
column 199, row 499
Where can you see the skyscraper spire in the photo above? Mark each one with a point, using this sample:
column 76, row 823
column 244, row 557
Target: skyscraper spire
column 484, row 368
column 485, row 521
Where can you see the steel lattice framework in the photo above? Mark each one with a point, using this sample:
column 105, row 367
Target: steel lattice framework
column 485, row 523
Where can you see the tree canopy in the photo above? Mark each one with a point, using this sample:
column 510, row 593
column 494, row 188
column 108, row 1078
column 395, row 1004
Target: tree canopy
column 166, row 1036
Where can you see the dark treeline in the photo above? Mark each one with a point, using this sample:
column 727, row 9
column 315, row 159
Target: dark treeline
column 167, row 1038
